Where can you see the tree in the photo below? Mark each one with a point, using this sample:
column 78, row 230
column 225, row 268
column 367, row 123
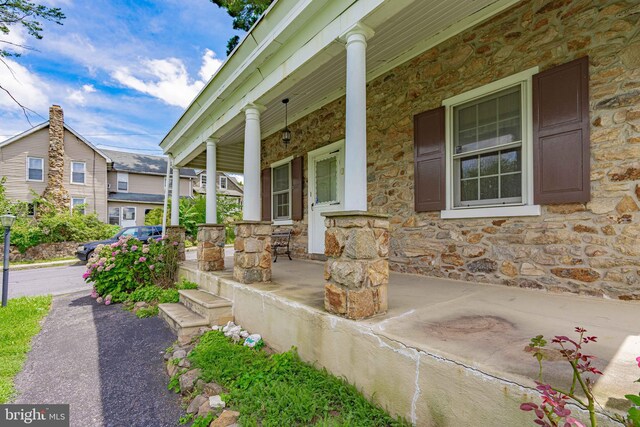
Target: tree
column 245, row 13
column 28, row 15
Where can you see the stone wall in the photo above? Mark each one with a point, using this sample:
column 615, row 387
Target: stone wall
column 591, row 248
column 42, row 251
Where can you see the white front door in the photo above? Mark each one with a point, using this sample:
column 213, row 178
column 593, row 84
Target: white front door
column 326, row 190
column 128, row 216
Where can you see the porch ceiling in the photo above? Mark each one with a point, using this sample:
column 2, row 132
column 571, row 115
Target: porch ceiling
column 398, row 38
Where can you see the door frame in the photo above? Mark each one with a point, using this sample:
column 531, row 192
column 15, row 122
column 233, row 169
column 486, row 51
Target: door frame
column 311, row 156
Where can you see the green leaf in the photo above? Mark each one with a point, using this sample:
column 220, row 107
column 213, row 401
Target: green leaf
column 635, row 399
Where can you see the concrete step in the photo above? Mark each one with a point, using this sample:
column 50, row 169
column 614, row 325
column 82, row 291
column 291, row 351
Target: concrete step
column 215, row 309
column 180, row 319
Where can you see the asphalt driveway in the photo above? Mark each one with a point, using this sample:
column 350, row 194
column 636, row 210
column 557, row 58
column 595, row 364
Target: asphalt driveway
column 103, row 361
column 51, row 280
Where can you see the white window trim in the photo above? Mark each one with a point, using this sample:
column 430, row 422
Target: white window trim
column 283, row 221
column 203, row 175
column 27, row 169
column 135, row 213
column 84, row 202
column 84, row 173
column 226, row 180
column 124, row 175
column 527, row 207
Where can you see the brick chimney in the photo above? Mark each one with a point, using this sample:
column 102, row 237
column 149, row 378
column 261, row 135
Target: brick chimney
column 55, row 192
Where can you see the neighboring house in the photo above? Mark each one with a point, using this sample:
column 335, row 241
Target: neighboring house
column 226, row 185
column 136, row 184
column 54, row 159
column 501, row 137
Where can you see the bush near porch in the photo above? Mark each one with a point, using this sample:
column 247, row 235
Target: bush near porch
column 118, row 269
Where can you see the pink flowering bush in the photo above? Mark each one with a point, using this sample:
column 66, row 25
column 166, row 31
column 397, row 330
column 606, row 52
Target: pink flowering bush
column 128, row 264
column 553, row 411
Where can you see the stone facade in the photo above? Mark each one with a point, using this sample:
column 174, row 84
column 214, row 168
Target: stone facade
column 357, row 266
column 591, row 248
column 211, row 240
column 55, row 191
column 176, row 233
column 252, row 257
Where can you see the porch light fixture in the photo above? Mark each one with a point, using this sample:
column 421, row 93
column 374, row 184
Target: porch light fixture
column 6, row 221
column 286, row 133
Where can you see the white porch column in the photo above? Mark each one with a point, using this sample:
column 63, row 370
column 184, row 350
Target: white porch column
column 211, row 190
column 175, row 197
column 251, row 208
column 355, row 173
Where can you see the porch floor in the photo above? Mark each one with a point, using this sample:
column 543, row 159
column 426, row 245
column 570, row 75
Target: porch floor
column 485, row 327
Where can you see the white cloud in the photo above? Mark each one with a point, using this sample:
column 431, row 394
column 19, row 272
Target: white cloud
column 168, row 79
column 78, row 96
column 25, row 86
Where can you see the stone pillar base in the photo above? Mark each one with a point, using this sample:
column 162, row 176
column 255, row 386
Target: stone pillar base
column 252, row 257
column 357, row 266
column 176, row 233
column 211, row 240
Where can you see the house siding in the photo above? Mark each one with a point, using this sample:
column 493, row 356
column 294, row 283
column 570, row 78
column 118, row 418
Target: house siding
column 13, row 159
column 147, row 184
column 590, row 248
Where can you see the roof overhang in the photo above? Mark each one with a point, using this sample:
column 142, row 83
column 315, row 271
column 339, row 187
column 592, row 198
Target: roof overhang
column 295, row 51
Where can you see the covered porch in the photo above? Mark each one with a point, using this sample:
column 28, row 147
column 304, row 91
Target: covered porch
column 446, row 352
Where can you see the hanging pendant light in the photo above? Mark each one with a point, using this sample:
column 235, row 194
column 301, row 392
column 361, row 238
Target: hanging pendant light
column 286, row 133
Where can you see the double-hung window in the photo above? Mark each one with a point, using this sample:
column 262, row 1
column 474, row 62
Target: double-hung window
column 78, row 172
column 78, row 204
column 123, row 182
column 281, row 191
column 223, row 183
column 488, row 137
column 35, row 169
column 114, row 216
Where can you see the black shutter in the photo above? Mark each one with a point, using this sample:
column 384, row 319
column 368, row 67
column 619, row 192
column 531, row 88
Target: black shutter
column 266, row 194
column 429, row 160
column 561, row 152
column 297, row 195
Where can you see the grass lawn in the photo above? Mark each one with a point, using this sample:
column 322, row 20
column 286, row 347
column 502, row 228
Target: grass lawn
column 281, row 389
column 19, row 322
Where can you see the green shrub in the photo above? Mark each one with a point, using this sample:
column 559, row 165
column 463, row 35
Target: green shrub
column 128, row 265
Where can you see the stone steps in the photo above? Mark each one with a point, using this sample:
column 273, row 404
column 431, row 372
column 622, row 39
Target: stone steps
column 180, row 319
column 197, row 308
column 216, row 310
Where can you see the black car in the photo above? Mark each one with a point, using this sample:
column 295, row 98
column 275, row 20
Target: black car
column 143, row 233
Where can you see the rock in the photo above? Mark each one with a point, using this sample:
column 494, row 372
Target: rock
column 473, row 251
column 483, row 265
column 528, row 269
column 361, row 244
column 234, row 331
column 601, row 205
column 216, row 328
column 508, row 269
column 581, row 228
column 244, row 334
column 179, row 354
column 188, row 380
column 204, row 409
column 626, row 205
column 226, row 419
column 581, row 274
column 184, row 363
column 452, row 259
column 335, row 299
column 140, row 304
column 252, row 340
column 212, row 389
column 171, row 369
column 196, row 403
column 216, row 402
column 228, row 326
column 167, row 356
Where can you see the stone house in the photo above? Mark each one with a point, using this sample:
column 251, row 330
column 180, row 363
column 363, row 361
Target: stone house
column 499, row 137
column 53, row 160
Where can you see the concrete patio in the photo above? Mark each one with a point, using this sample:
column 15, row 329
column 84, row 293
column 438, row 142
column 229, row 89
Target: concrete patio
column 447, row 352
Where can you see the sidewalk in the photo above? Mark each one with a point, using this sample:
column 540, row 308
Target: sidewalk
column 103, row 361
